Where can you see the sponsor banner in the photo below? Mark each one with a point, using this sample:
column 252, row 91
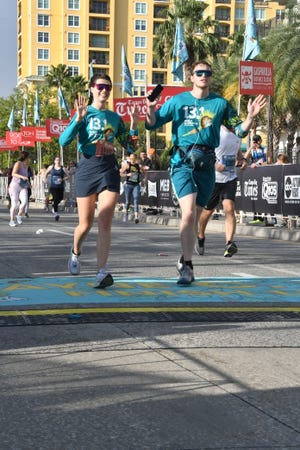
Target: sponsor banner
column 5, row 147
column 273, row 189
column 15, row 139
column 37, row 134
column 55, row 127
column 256, row 77
column 123, row 106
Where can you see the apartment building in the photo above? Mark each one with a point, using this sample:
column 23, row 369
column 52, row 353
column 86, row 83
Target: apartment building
column 78, row 32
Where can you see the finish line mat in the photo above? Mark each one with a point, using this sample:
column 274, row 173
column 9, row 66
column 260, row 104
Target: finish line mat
column 24, row 293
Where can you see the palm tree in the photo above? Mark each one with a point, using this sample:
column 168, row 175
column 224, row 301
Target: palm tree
column 57, row 75
column 74, row 85
column 199, row 40
column 281, row 47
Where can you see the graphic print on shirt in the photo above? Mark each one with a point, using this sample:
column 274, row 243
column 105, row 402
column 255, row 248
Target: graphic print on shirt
column 99, row 129
column 203, row 117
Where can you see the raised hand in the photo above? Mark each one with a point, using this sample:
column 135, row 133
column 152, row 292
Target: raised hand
column 134, row 117
column 254, row 107
column 81, row 107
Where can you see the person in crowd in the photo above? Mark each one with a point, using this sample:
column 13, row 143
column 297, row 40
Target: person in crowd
column 29, row 190
column 71, row 168
column 256, row 154
column 154, row 159
column 196, row 116
column 46, row 182
column 282, row 159
column 18, row 189
column 296, row 151
column 132, row 170
column 97, row 178
column 228, row 156
column 58, row 175
column 145, row 161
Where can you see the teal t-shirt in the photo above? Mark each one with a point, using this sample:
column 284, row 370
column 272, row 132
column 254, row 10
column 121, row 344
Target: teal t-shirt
column 104, row 125
column 198, row 121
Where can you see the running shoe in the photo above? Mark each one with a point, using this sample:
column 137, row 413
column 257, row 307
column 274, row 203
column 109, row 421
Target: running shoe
column 186, row 275
column 12, row 223
column 199, row 246
column 230, row 250
column 19, row 220
column 74, row 263
column 179, row 264
column 136, row 220
column 103, row 279
column 56, row 217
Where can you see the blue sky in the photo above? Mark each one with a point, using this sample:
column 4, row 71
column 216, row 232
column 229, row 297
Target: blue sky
column 8, row 47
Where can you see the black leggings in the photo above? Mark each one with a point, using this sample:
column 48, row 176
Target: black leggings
column 58, row 195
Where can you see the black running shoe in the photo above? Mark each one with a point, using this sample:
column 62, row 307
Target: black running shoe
column 199, row 246
column 230, row 250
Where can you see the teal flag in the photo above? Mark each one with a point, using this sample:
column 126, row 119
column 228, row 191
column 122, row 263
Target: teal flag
column 11, row 120
column 62, row 101
column 24, row 115
column 251, row 45
column 36, row 108
column 180, row 53
column 127, row 83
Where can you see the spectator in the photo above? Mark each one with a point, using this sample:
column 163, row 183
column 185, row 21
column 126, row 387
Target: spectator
column 154, row 159
column 132, row 170
column 145, row 161
column 256, row 154
column 296, row 151
column 46, row 182
column 282, row 158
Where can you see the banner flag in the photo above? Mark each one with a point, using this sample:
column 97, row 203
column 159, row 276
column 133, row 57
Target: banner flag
column 180, row 53
column 127, row 83
column 251, row 46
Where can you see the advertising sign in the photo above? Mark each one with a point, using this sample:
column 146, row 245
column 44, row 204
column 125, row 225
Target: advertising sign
column 256, row 77
column 15, row 139
column 37, row 134
column 55, row 127
column 122, row 106
column 5, row 147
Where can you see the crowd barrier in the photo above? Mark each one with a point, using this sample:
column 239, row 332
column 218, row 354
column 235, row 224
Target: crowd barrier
column 273, row 189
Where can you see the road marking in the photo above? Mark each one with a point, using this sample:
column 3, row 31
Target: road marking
column 244, row 275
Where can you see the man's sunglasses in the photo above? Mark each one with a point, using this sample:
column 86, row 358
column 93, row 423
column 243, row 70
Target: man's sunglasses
column 101, row 86
column 200, row 73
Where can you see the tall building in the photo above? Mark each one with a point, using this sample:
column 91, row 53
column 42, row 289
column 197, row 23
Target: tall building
column 78, row 32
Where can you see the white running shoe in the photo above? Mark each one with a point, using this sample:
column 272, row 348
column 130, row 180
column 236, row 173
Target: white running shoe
column 19, row 220
column 74, row 263
column 186, row 275
column 12, row 223
column 103, row 279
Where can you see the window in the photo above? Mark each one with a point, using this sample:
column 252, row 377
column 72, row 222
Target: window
column 73, row 4
column 239, row 13
column 158, row 78
column 140, row 75
column 98, row 41
column 140, row 8
column 73, row 55
column 42, row 71
column 73, row 71
column 140, row 25
column 98, row 24
column 73, row 38
column 43, row 53
column 44, row 37
column 99, row 57
column 140, row 42
column 43, row 20
column 43, row 4
column 260, row 14
column 73, row 21
column 98, row 7
column 140, row 58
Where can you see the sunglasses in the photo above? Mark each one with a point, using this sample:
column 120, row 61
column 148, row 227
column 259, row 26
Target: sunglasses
column 200, row 73
column 101, row 86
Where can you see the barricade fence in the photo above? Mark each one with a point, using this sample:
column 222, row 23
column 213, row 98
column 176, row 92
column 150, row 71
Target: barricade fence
column 273, row 189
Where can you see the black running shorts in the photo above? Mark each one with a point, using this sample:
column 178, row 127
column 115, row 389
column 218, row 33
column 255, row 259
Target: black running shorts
column 95, row 174
column 222, row 191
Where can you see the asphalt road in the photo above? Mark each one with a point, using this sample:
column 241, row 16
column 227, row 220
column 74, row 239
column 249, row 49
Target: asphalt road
column 149, row 384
